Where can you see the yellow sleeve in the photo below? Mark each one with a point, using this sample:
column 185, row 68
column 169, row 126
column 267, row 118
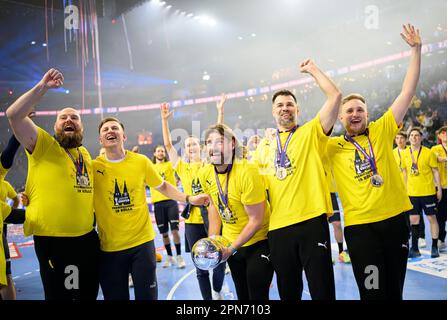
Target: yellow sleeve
column 388, row 124
column 42, row 142
column 3, row 172
column 6, row 210
column 433, row 161
column 11, row 193
column 253, row 191
column 153, row 178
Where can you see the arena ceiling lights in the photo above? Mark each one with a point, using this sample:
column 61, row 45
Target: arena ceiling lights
column 202, row 19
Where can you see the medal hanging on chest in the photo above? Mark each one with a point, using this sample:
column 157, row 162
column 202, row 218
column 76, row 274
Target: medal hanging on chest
column 81, row 174
column 281, row 170
column 414, row 164
column 376, row 179
column 224, row 195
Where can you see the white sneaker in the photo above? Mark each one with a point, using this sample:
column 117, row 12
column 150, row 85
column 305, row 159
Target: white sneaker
column 441, row 245
column 422, row 243
column 169, row 262
column 180, row 262
column 217, row 295
column 130, row 281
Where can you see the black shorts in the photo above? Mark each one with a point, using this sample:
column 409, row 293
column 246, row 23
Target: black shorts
column 166, row 214
column 6, row 249
column 427, row 203
column 336, row 215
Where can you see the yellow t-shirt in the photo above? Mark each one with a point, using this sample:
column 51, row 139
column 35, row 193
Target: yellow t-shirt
column 120, row 204
column 328, row 173
column 3, row 172
column 362, row 202
column 5, row 211
column 424, row 183
column 60, row 206
column 188, row 174
column 442, row 166
column 7, row 191
column 304, row 193
column 166, row 171
column 245, row 187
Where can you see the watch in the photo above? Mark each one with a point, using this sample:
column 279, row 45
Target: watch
column 187, row 199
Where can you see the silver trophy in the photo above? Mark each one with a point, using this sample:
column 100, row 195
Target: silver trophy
column 207, row 252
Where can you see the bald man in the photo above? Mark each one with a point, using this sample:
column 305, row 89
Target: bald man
column 60, row 191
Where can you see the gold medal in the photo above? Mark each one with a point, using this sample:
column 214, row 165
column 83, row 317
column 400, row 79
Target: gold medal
column 227, row 214
column 281, row 173
column 414, row 171
column 377, row 180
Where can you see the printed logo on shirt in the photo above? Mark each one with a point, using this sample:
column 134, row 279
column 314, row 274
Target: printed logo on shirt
column 121, row 200
column 362, row 168
column 225, row 213
column 196, row 187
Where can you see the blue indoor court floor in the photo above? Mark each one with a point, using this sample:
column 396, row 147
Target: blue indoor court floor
column 426, row 278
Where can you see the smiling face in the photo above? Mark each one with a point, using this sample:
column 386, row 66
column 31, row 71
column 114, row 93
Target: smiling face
column 111, row 135
column 285, row 112
column 354, row 116
column 219, row 148
column 415, row 138
column 160, row 154
column 192, row 149
column 68, row 128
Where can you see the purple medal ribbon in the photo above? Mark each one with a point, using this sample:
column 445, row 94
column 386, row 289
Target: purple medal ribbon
column 223, row 196
column 371, row 158
column 80, row 166
column 282, row 152
column 414, row 165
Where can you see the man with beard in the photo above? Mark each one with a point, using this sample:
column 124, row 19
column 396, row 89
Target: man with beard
column 60, row 191
column 371, row 188
column 299, row 230
column 239, row 208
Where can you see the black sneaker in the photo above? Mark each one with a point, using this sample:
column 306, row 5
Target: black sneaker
column 414, row 253
column 434, row 252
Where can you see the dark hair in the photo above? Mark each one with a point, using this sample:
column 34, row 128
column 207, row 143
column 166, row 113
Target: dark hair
column 154, row 160
column 109, row 119
column 283, row 93
column 402, row 133
column 227, row 133
column 353, row 96
column 416, row 129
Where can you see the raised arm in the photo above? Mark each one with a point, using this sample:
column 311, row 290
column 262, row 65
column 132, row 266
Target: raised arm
column 220, row 108
column 403, row 101
column 167, row 140
column 329, row 110
column 24, row 128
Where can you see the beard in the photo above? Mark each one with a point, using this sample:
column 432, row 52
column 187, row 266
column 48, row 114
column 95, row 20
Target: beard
column 69, row 141
column 287, row 123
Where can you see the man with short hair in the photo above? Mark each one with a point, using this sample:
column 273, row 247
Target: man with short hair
column 441, row 152
column 60, row 191
column 124, row 224
column 371, row 189
column 292, row 167
column 421, row 175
